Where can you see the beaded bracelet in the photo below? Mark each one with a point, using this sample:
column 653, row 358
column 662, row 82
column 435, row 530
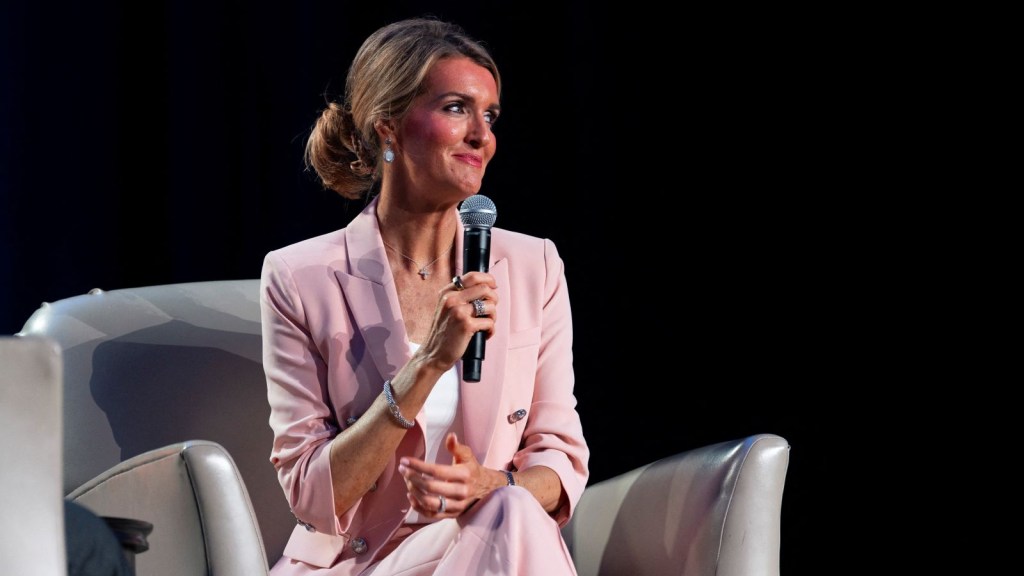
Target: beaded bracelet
column 395, row 411
column 511, row 479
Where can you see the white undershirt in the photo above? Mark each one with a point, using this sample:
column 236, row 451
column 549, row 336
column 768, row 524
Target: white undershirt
column 441, row 410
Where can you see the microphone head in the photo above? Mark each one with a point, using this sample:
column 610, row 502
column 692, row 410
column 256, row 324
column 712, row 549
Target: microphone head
column 478, row 211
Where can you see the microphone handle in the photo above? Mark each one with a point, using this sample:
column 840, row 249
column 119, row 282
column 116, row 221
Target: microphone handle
column 476, row 252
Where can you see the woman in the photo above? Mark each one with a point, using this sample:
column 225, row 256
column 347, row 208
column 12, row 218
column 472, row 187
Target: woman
column 390, row 462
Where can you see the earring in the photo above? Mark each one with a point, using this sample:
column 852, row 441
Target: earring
column 389, row 154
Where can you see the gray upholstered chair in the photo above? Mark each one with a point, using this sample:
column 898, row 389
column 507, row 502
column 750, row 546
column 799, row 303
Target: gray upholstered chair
column 710, row 510
column 169, row 379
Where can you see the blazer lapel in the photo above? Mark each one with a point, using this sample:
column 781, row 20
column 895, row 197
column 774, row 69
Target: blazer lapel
column 369, row 289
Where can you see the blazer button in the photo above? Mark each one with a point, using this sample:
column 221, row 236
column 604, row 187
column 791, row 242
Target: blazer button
column 358, row 545
column 516, row 416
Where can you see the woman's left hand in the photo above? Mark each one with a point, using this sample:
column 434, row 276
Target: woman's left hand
column 445, row 490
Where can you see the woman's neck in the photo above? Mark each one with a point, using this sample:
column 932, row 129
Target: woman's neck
column 421, row 236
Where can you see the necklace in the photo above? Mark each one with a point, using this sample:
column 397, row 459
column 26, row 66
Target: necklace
column 425, row 269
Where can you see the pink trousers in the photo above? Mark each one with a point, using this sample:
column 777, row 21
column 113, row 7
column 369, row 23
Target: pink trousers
column 505, row 534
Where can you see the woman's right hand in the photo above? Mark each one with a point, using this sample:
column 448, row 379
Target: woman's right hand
column 457, row 318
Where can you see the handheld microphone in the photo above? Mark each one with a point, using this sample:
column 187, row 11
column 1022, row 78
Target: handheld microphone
column 478, row 215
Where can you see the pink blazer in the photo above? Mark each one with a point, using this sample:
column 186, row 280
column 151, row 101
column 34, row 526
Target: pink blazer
column 333, row 332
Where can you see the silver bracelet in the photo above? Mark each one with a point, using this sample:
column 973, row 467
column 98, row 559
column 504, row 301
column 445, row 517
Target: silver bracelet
column 511, row 480
column 396, row 413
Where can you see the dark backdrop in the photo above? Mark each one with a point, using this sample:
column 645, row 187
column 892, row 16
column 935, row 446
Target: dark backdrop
column 680, row 163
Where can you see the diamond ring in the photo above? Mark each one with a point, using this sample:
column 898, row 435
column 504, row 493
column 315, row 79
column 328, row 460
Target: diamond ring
column 478, row 304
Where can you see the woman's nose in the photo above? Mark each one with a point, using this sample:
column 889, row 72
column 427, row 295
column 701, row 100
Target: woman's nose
column 479, row 132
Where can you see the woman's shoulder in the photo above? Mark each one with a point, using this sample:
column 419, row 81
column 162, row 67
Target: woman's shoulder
column 362, row 227
column 511, row 244
column 313, row 244
column 518, row 241
column 313, row 247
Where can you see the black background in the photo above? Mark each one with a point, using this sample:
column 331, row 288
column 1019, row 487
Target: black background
column 682, row 164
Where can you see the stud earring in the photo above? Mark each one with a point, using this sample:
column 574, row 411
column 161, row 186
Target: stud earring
column 389, row 154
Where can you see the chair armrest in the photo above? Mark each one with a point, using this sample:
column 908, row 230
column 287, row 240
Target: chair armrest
column 192, row 493
column 713, row 510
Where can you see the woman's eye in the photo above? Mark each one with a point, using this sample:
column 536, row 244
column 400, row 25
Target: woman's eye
column 490, row 116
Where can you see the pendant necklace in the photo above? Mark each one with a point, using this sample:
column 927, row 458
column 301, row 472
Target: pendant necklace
column 424, row 270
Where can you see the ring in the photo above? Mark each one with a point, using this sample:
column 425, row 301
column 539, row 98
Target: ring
column 478, row 304
column 443, row 506
column 458, row 283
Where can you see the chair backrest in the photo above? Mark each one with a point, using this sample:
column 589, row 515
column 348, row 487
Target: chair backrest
column 146, row 368
column 31, row 503
column 714, row 510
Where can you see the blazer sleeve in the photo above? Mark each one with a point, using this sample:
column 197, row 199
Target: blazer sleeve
column 300, row 416
column 554, row 434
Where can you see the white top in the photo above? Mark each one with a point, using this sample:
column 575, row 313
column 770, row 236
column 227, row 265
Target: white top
column 442, row 415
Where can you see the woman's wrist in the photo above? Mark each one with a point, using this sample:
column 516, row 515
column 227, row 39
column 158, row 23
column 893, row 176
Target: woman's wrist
column 396, row 412
column 503, row 478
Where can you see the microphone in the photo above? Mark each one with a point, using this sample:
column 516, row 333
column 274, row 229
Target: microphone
column 478, row 215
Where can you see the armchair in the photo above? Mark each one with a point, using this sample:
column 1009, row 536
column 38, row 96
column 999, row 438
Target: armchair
column 164, row 386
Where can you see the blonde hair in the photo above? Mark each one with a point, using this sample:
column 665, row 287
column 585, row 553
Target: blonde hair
column 383, row 79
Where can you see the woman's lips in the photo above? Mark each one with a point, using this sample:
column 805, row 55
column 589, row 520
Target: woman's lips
column 471, row 159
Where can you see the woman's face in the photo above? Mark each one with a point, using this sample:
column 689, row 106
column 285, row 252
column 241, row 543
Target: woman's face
column 444, row 142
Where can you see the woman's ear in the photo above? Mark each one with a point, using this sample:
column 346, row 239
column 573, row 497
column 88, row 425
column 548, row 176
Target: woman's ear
column 384, row 130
